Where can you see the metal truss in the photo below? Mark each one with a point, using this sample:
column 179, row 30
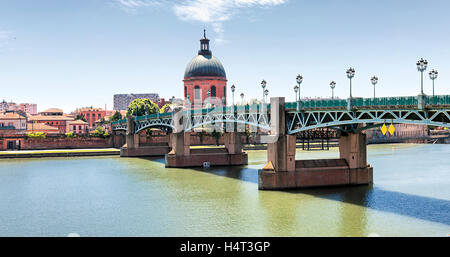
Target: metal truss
column 120, row 126
column 153, row 123
column 255, row 120
column 216, row 120
column 307, row 120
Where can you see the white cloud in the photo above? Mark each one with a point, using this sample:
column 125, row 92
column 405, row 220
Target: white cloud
column 213, row 12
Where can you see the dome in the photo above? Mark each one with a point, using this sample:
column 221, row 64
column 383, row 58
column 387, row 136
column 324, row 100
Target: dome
column 204, row 66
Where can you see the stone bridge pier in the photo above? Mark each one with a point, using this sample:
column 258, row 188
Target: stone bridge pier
column 133, row 148
column 182, row 155
column 283, row 171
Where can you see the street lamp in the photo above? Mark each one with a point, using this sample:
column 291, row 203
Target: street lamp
column 266, row 92
column 242, row 98
column 208, row 92
column 350, row 75
column 299, row 79
column 433, row 75
column 296, row 91
column 421, row 66
column 374, row 81
column 332, row 86
column 232, row 93
column 263, row 85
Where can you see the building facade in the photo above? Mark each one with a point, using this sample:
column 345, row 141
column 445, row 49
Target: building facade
column 78, row 127
column 52, row 117
column 401, row 131
column 12, row 120
column 205, row 77
column 121, row 101
column 28, row 108
column 25, row 107
column 92, row 115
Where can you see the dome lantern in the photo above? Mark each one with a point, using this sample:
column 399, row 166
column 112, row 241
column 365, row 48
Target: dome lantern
column 204, row 45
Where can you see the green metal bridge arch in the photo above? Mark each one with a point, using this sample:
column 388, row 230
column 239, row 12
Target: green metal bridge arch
column 430, row 110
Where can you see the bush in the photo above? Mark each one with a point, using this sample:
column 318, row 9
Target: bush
column 100, row 132
column 216, row 135
column 70, row 135
column 40, row 135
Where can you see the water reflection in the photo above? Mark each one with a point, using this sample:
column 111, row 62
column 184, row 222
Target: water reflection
column 421, row 207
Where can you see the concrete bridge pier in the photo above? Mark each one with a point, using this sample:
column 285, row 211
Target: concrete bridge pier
column 132, row 148
column 182, row 155
column 283, row 171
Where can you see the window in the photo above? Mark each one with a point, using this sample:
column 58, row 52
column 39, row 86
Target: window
column 185, row 91
column 79, row 127
column 225, row 92
column 197, row 92
column 213, row 91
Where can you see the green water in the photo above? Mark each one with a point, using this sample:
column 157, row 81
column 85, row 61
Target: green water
column 112, row 196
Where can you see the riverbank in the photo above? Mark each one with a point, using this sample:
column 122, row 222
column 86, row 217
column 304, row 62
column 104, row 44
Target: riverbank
column 59, row 153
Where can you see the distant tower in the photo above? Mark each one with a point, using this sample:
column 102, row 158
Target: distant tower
column 205, row 74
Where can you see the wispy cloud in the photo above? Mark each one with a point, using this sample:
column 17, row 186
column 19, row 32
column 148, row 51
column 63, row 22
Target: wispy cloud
column 132, row 5
column 213, row 12
column 5, row 38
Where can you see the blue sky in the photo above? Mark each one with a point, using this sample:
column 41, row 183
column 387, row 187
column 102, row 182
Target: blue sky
column 70, row 54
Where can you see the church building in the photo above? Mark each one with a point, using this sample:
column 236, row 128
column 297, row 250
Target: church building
column 205, row 77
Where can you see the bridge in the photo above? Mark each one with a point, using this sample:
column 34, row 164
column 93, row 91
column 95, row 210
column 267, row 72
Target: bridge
column 277, row 124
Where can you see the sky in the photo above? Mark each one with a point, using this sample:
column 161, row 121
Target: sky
column 76, row 53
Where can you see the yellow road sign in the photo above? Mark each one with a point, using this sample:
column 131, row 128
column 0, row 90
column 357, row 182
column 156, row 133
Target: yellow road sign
column 384, row 129
column 391, row 129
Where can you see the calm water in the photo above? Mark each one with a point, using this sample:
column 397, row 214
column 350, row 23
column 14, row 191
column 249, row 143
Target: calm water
column 112, row 196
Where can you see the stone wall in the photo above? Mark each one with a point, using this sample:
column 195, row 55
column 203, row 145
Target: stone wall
column 66, row 143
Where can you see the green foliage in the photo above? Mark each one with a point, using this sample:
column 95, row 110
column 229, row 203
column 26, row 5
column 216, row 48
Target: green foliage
column 166, row 108
column 201, row 135
column 116, row 116
column 80, row 117
column 216, row 135
column 148, row 132
column 143, row 105
column 40, row 135
column 100, row 132
column 70, row 135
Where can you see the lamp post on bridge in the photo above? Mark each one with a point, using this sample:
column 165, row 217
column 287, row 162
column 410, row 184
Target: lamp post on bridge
column 208, row 93
column 332, row 86
column 374, row 81
column 266, row 93
column 263, row 85
column 242, row 98
column 299, row 80
column 433, row 75
column 421, row 66
column 233, row 87
column 350, row 75
column 296, row 91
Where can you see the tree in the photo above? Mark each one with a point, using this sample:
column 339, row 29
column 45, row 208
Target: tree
column 80, row 117
column 100, row 132
column 166, row 108
column 116, row 116
column 144, row 106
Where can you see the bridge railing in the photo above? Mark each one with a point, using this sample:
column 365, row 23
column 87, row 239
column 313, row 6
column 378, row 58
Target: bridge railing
column 438, row 100
column 400, row 101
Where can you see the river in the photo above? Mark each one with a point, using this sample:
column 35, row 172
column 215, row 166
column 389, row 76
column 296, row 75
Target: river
column 112, row 196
